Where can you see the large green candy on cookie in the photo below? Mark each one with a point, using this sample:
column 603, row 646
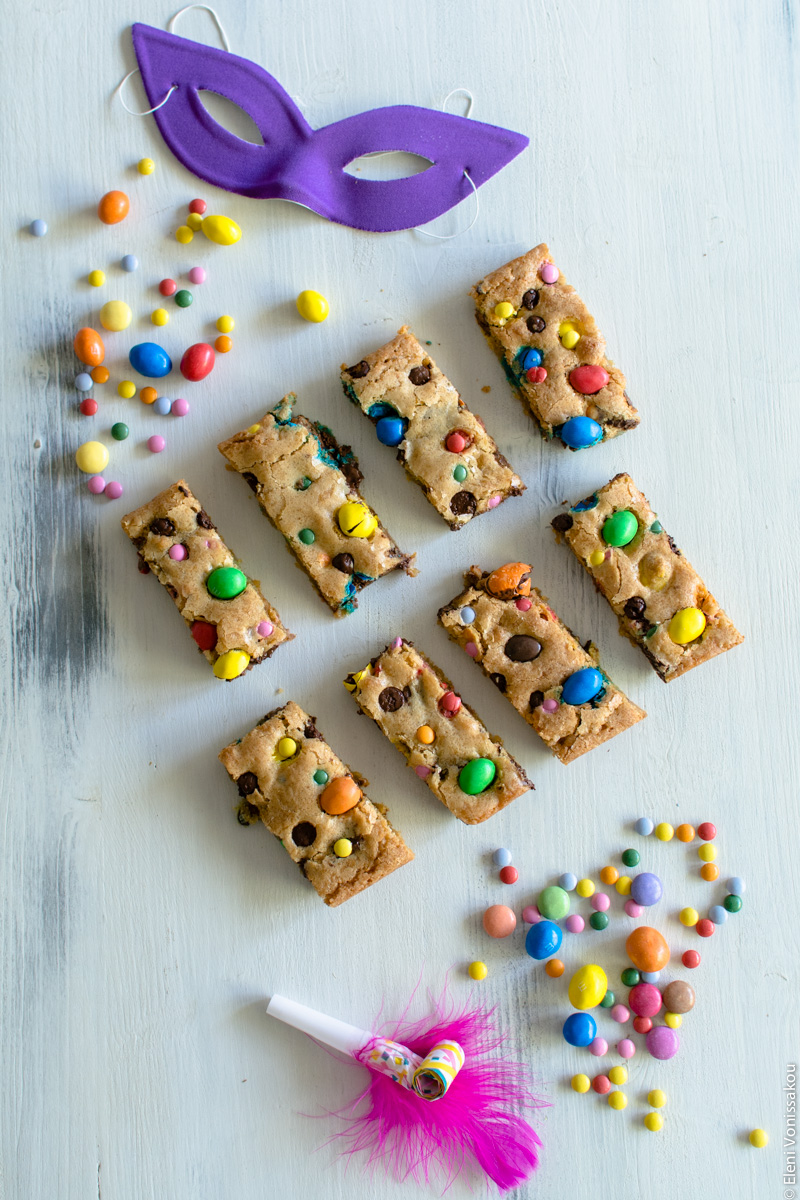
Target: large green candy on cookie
column 476, row 776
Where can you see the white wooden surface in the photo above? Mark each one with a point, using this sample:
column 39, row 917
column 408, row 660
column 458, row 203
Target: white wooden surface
column 142, row 926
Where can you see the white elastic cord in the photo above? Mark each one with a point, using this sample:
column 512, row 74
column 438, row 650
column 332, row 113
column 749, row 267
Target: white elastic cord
column 206, row 8
column 147, row 111
column 445, row 237
column 460, row 92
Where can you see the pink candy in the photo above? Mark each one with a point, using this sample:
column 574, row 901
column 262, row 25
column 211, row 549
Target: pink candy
column 471, row 649
column 197, row 275
column 550, row 706
column 523, row 603
column 598, row 1047
column 156, row 443
column 548, row 272
column 575, row 923
column 180, row 407
column 449, row 704
column 645, row 999
column 633, row 909
column 96, row 485
column 423, row 771
column 600, row 902
column 177, row 553
column 626, row 1048
column 264, row 628
column 662, row 1042
column 493, row 502
column 620, row 1014
column 113, row 490
column 531, row 915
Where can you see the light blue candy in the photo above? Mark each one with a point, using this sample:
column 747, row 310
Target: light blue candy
column 84, row 382
column 582, row 686
column 150, row 360
column 644, row 826
column 37, row 228
column 735, row 886
column 501, row 858
column 543, row 939
column 718, row 914
column 130, row 263
column 467, row 614
column 568, row 881
column 529, row 358
column 650, row 976
column 163, row 405
column 580, row 432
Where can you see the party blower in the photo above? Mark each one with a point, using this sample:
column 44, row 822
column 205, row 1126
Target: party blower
column 437, row 1095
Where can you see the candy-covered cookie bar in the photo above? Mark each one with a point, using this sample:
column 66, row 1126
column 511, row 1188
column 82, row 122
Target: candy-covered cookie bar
column 229, row 619
column 307, row 484
column 314, row 804
column 662, row 604
column 552, row 351
column 442, row 739
column 537, row 663
column 443, row 446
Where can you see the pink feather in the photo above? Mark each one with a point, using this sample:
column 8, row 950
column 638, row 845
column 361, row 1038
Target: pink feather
column 478, row 1122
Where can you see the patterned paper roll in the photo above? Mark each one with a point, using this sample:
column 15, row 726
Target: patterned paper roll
column 437, row 1070
column 387, row 1058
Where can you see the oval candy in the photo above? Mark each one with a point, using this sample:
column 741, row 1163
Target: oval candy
column 510, row 580
column 588, row 379
column 522, row 649
column 647, row 949
column 588, row 986
column 197, row 362
column 356, row 520
column 543, row 940
column 231, row 664
column 580, row 432
column 221, row 230
column 311, row 305
column 580, row 1028
column 499, row 920
column 582, row 686
column 115, row 315
column 226, row 583
column 150, row 360
column 340, row 795
column 620, row 528
column 477, row 776
column 390, row 431
column 687, row 625
column 113, row 208
column 88, row 346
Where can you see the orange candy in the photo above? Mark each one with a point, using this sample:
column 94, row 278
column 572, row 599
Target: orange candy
column 609, row 875
column 647, row 949
column 514, row 579
column 148, row 395
column 88, row 346
column 709, row 872
column 685, row 833
column 340, row 796
column 223, row 344
column 113, row 208
column 100, row 374
column 555, row 968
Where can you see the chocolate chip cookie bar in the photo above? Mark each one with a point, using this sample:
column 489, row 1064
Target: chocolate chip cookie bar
column 552, row 351
column 314, row 804
column 444, row 447
column 442, row 739
column 229, row 619
column 552, row 681
column 662, row 604
column 307, row 484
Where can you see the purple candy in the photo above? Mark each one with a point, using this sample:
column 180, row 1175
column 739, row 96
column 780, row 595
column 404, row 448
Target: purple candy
column 662, row 1042
column 646, row 889
column 113, row 490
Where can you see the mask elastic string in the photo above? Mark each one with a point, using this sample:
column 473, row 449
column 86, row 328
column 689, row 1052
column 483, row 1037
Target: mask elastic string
column 445, row 237
column 214, row 17
column 147, row 111
column 170, row 24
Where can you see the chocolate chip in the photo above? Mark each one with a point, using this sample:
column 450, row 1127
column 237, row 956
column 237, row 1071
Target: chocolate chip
column 311, row 731
column 251, row 482
column 562, row 522
column 359, row 370
column 672, row 545
column 390, row 699
column 634, row 608
column 343, row 563
column 304, row 834
column 162, row 526
column 530, row 299
column 443, row 772
column 172, row 591
column 419, row 375
column 247, row 813
column 536, row 324
column 522, row 648
column 352, row 473
column 142, row 566
column 498, row 680
column 463, row 504
column 407, row 693
column 204, row 520
column 247, row 783
column 536, row 699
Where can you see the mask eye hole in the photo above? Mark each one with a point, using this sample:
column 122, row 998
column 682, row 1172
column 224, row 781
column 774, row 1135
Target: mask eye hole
column 389, row 164
column 231, row 117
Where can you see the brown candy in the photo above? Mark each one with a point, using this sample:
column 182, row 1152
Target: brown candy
column 247, row 783
column 536, row 324
column 513, row 579
column 562, row 522
column 678, row 996
column 522, row 648
column 343, row 563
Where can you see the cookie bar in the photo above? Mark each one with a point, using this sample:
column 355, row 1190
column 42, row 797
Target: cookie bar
column 662, row 604
column 552, row 351
column 229, row 619
column 556, row 684
column 444, row 741
column 314, row 804
column 443, row 446
column 307, row 484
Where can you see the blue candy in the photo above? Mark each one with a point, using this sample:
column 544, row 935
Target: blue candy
column 529, row 358
column 568, row 881
column 646, row 889
column 163, row 406
column 84, row 382
column 150, row 360
column 381, row 409
column 644, row 826
column 543, row 939
column 718, row 914
column 37, row 228
column 129, row 263
column 467, row 614
column 735, row 886
column 650, row 976
column 580, row 1029
column 582, row 686
column 501, row 858
column 391, row 430
column 580, row 432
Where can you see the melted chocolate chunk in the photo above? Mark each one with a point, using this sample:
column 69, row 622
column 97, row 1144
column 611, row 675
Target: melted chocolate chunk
column 536, row 324
column 162, row 526
column 536, row 699
column 390, row 699
column 672, row 546
column 247, row 783
column 359, row 370
column 252, row 483
column 142, row 566
column 311, row 731
column 204, row 520
column 530, row 299
column 498, row 680
column 343, row 563
column 562, row 522
column 463, row 504
column 352, row 473
column 419, row 375
column 522, row 648
column 304, row 834
column 246, row 813
column 634, row 608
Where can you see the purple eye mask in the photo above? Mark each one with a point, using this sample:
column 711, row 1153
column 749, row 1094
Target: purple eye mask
column 305, row 165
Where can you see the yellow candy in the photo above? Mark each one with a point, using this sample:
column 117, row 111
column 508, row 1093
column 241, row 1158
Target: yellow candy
column 231, row 664
column 759, row 1139
column 707, row 852
column 159, row 316
column 254, row 429
column 674, row 1020
column 568, row 335
column 183, row 234
column 352, row 681
column 687, row 625
column 194, row 221
column 343, row 848
column 126, row 389
column 426, row 735
column 688, row 917
column 617, row 1100
column 356, row 520
column 478, row 970
column 597, row 557
column 656, row 1098
column 286, row 748
column 618, row 1075
column 664, row 831
column 584, row 888
column 580, row 1083
column 312, row 306
column 225, row 324
column 115, row 315
column 587, row 986
column 96, row 278
column 145, row 166
column 221, row 230
column 653, row 1122
column 91, row 457
column 623, row 885
column 504, row 310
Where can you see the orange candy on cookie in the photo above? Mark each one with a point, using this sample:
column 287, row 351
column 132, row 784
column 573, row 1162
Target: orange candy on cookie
column 514, row 579
column 340, row 796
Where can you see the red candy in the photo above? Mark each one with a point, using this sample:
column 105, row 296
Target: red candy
column 707, row 831
column 601, row 1084
column 197, row 206
column 88, row 407
column 168, row 287
column 690, row 959
column 457, row 441
column 204, row 634
column 642, row 1024
column 588, row 379
column 705, row 927
column 536, row 375
column 645, row 999
column 509, row 875
column 449, row 704
column 197, row 362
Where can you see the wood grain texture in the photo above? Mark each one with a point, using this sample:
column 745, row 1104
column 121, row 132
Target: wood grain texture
column 142, row 927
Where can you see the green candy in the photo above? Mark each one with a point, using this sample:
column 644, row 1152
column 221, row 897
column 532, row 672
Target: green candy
column 620, row 528
column 183, row 298
column 307, row 536
column 733, row 903
column 598, row 920
column 477, row 776
column 320, row 776
column 460, row 474
column 608, row 1001
column 631, row 858
column 630, row 977
column 553, row 903
column 225, row 583
column 119, row 431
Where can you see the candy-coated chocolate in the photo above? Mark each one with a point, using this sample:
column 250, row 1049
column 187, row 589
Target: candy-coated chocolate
column 89, row 407
column 320, row 776
column 707, row 853
column 690, row 959
column 307, row 537
column 221, row 230
column 225, row 324
column 580, row 1084
column 662, row 1042
column 584, row 888
column 427, row 736
column 159, row 316
column 568, row 334
column 653, row 1122
column 536, row 375
column 232, row 664
column 735, row 886
column 476, row 776
column 180, row 407
column 644, row 826
column 642, row 1024
column 617, row 1100
column 37, row 228
column 664, row 831
column 646, row 889
column 168, row 287
column 501, row 857
column 343, row 847
column 582, row 686
column 548, row 273
column 733, row 904
column 608, row 1001
column 115, row 315
column 205, row 634
column 704, row 927
column 645, row 1000
column 148, row 395
column 223, row 344
column 184, row 234
column 554, row 968
column 225, row 583
column 599, row 1047
column 449, row 704
column 599, row 921
column 623, row 885
column 96, row 485
column 509, row 874
column 460, row 473
column 477, row 970
column 156, row 443
column 609, row 875
column 543, row 940
column 197, row 362
column 88, row 346
column 687, row 625
column 197, row 206
column 718, row 914
column 356, row 520
column 145, row 166
column 457, row 441
column 113, row 208
column 620, row 528
column 312, row 306
column 96, row 278
column 685, row 833
column 759, row 1139
column 688, row 917
column 499, row 921
column 580, row 432
column 83, row 381
column 618, row 1075
column 575, row 923
column 467, row 614
column 390, row 431
column 620, row 1014
column 100, row 374
column 113, row 489
column 651, row 976
column 678, row 996
column 626, row 1047
column 633, row 909
column 631, row 858
column 184, row 298
column 600, row 902
column 707, row 831
column 126, row 389
column 647, row 949
column 553, row 903
column 503, row 311
column 285, row 749
column 340, row 795
column 177, row 553
column 588, row 986
column 510, row 580
column 531, row 914
column 162, row 406
column 568, row 881
column 601, row 1084
column 588, row 379
column 528, row 358
column 91, row 457
column 580, row 1028
column 150, row 360
column 656, row 1098
column 194, row 221
column 630, row 977
column 197, row 275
